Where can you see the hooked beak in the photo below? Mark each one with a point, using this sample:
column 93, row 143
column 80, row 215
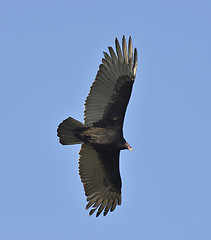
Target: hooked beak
column 127, row 145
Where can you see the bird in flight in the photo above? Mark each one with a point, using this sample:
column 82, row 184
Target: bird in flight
column 101, row 134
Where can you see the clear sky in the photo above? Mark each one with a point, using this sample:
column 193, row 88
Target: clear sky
column 49, row 55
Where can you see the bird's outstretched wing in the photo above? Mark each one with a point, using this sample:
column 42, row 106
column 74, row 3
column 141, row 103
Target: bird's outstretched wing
column 110, row 92
column 99, row 172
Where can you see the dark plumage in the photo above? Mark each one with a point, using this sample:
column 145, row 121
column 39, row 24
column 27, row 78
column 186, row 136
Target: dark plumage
column 101, row 134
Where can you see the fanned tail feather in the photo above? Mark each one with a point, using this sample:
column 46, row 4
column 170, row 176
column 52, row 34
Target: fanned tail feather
column 67, row 131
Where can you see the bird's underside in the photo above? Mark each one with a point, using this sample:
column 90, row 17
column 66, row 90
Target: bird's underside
column 101, row 134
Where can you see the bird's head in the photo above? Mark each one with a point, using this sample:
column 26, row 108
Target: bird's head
column 122, row 144
column 127, row 146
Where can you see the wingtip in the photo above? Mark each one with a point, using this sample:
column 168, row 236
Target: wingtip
column 124, row 49
column 130, row 42
column 135, row 62
column 130, row 51
column 92, row 211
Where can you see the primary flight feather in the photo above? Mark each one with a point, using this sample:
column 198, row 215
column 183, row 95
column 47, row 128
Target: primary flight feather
column 101, row 134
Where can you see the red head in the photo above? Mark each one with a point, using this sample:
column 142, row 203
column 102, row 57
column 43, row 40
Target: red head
column 127, row 146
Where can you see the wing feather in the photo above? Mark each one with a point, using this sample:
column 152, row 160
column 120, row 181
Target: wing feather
column 102, row 206
column 113, row 205
column 99, row 172
column 135, row 61
column 113, row 83
column 118, row 50
column 124, row 48
column 130, row 51
column 107, row 207
column 113, row 55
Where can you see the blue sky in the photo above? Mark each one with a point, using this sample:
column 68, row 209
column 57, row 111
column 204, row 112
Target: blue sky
column 49, row 54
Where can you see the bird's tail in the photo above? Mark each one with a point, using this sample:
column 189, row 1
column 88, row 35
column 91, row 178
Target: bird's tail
column 68, row 131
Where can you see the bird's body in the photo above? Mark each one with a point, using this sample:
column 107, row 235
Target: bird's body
column 101, row 135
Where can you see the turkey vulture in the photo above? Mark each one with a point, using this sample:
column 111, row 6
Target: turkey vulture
column 101, row 134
